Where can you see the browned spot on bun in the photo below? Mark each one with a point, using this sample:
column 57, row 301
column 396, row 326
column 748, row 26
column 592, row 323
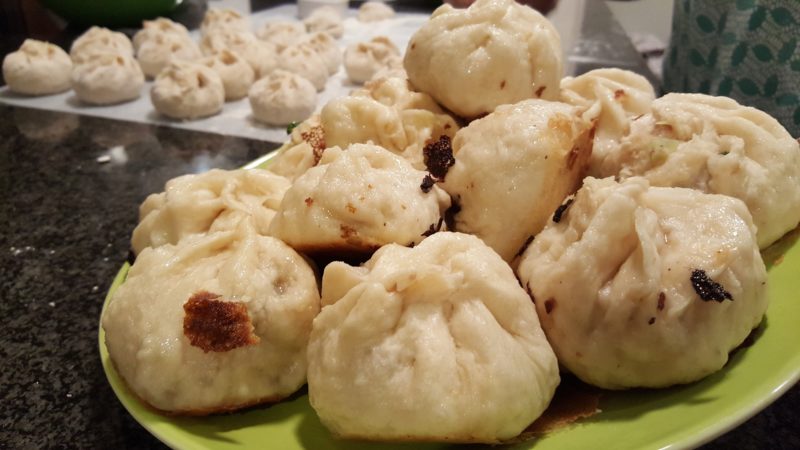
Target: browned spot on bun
column 662, row 297
column 350, row 208
column 216, row 325
column 347, row 232
column 619, row 93
column 549, row 305
column 315, row 137
column 427, row 183
column 309, row 201
column 503, row 84
column 413, row 45
column 438, row 156
column 540, row 91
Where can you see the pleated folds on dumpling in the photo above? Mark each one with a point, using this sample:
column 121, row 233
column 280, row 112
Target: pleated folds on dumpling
column 513, row 168
column 356, row 200
column 494, row 52
column 436, row 342
column 218, row 322
column 216, row 200
column 37, row 68
column 638, row 286
column 718, row 146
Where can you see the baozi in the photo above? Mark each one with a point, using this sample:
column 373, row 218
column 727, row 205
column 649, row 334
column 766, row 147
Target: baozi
column 99, row 40
column 639, row 286
column 363, row 59
column 303, row 60
column 218, row 322
column 216, row 200
column 513, row 168
column 236, row 74
column 107, row 78
column 158, row 27
column 325, row 45
column 187, row 90
column 261, row 55
column 325, row 19
column 156, row 53
column 37, row 68
column 215, row 19
column 282, row 97
column 432, row 343
column 282, row 34
column 495, row 52
column 356, row 200
column 374, row 11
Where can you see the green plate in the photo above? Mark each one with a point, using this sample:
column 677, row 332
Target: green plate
column 677, row 417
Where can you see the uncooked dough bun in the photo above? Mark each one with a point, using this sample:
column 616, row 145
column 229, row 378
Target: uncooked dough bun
column 355, row 201
column 107, row 78
column 37, row 68
column 363, row 60
column 638, row 286
column 216, row 323
column 217, row 200
column 432, row 343
column 156, row 53
column 325, row 46
column 99, row 40
column 513, row 168
column 303, row 60
column 261, row 55
column 495, row 52
column 224, row 18
column 282, row 97
column 718, row 146
column 389, row 113
column 187, row 90
column 611, row 98
column 374, row 11
column 326, row 19
column 236, row 74
column 154, row 28
column 282, row 34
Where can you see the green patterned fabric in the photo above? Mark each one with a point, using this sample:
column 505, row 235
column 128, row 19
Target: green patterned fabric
column 745, row 49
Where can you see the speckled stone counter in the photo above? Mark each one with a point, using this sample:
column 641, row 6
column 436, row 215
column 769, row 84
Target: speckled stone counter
column 65, row 222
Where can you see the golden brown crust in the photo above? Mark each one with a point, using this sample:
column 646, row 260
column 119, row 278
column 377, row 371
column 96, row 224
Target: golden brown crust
column 215, row 325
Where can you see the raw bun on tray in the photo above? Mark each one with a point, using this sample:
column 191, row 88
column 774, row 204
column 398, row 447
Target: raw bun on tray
column 216, row 19
column 107, row 78
column 612, row 98
column 152, row 29
column 432, row 343
column 215, row 323
column 389, row 113
column 217, row 200
column 374, row 11
column 718, row 146
column 282, row 34
column 156, row 53
column 326, row 19
column 303, row 60
column 282, row 97
column 638, row 286
column 513, row 168
column 261, row 55
column 99, row 40
column 37, row 68
column 325, row 45
column 236, row 74
column 187, row 90
column 356, row 200
column 494, row 52
column 363, row 60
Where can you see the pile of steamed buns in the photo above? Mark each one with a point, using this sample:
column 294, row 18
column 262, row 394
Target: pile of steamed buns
column 514, row 223
column 280, row 68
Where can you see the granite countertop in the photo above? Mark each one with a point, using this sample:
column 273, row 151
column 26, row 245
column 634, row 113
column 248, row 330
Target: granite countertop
column 65, row 223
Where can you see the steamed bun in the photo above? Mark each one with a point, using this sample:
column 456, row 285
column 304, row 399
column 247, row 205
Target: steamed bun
column 156, row 53
column 325, row 46
column 303, row 60
column 216, row 200
column 494, row 52
column 612, row 98
column 215, row 323
column 389, row 113
column 374, row 11
column 37, row 68
column 261, row 55
column 638, row 286
column 302, row 151
column 282, row 34
column 151, row 29
column 215, row 19
column 513, row 168
column 187, row 90
column 99, row 40
column 355, row 201
column 107, row 78
column 236, row 74
column 363, row 59
column 326, row 19
column 436, row 342
column 282, row 97
column 718, row 146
